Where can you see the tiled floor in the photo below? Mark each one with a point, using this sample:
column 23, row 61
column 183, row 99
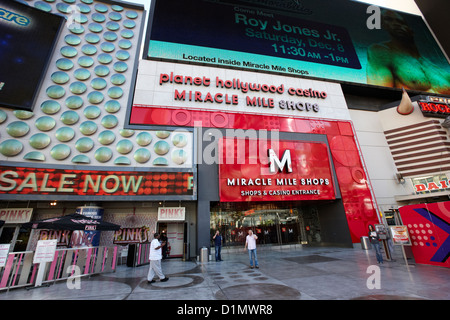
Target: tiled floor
column 300, row 274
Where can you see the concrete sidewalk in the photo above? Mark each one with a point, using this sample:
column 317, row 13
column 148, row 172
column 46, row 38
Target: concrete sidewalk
column 284, row 274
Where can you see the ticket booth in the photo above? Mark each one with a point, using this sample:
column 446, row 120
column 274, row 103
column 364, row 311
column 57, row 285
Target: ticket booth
column 172, row 224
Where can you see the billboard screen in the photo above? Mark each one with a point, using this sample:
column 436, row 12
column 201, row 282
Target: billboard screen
column 337, row 40
column 27, row 38
column 42, row 182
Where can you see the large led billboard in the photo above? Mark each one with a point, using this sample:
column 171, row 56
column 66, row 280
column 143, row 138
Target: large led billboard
column 44, row 183
column 27, row 38
column 326, row 39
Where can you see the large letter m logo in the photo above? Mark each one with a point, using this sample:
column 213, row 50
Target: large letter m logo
column 274, row 161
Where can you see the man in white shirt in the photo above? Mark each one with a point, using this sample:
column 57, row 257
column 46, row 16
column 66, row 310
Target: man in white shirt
column 250, row 244
column 155, row 260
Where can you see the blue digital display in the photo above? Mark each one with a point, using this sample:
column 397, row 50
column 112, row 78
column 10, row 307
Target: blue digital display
column 312, row 38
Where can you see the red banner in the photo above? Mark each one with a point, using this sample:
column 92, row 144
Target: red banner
column 39, row 181
column 429, row 229
column 254, row 170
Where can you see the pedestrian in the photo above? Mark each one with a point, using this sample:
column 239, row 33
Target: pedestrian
column 250, row 245
column 155, row 260
column 164, row 248
column 374, row 239
column 218, row 244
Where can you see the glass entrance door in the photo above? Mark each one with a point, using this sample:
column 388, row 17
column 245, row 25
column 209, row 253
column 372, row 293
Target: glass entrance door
column 274, row 224
column 175, row 234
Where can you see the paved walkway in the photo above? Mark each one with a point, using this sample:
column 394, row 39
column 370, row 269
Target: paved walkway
column 300, row 274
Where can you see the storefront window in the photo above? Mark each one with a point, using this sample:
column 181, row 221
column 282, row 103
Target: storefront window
column 274, row 224
column 15, row 235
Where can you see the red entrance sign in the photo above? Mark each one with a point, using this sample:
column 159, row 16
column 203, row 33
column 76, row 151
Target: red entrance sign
column 55, row 182
column 284, row 171
column 434, row 109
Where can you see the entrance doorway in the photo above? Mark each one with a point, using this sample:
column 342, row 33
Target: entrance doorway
column 16, row 236
column 273, row 223
column 176, row 233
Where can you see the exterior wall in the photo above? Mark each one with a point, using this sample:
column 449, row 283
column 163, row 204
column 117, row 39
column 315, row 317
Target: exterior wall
column 428, row 226
column 84, row 94
column 359, row 205
column 377, row 157
column 125, row 214
column 79, row 118
column 78, row 125
column 416, row 135
column 152, row 91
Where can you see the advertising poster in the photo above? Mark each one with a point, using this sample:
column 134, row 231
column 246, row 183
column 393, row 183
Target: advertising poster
column 87, row 238
column 310, row 38
column 4, row 250
column 400, row 235
column 45, row 251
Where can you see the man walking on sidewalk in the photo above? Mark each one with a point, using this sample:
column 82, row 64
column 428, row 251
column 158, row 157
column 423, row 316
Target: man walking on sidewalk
column 250, row 244
column 155, row 260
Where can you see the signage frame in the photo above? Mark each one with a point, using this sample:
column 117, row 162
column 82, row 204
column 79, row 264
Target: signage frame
column 7, row 213
column 250, row 14
column 171, row 214
column 190, row 174
column 45, row 251
column 278, row 186
column 398, row 231
column 50, row 49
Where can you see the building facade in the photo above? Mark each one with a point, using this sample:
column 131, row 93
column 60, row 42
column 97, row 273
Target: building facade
column 221, row 116
column 72, row 151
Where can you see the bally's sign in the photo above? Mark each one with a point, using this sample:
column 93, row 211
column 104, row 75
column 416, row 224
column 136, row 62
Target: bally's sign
column 298, row 171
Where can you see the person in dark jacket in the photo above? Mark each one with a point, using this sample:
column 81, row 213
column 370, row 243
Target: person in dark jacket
column 375, row 240
column 218, row 245
column 163, row 238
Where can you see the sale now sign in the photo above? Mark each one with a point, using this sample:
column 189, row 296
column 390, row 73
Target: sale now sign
column 251, row 170
column 65, row 182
